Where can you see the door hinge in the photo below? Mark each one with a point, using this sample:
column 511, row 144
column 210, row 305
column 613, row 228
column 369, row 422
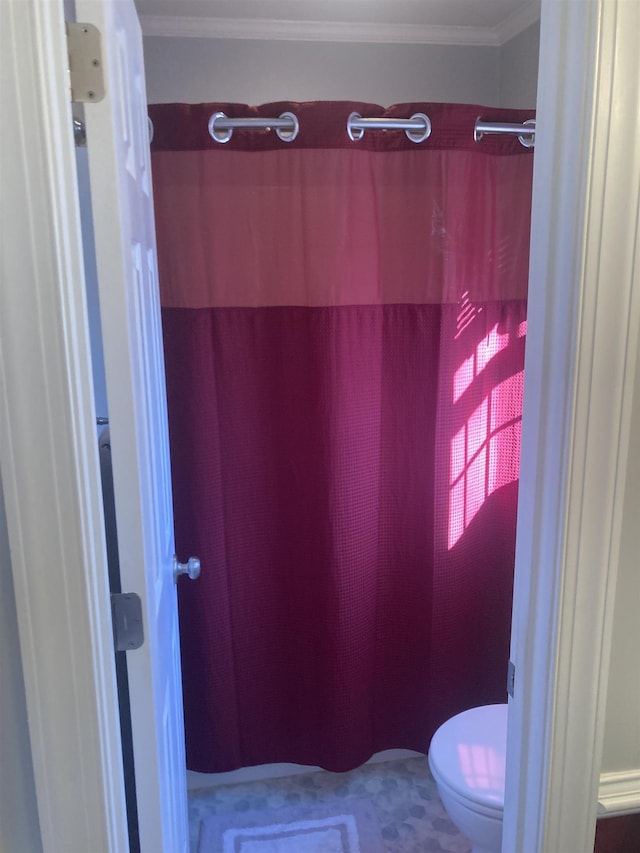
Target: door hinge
column 511, row 677
column 126, row 611
column 85, row 63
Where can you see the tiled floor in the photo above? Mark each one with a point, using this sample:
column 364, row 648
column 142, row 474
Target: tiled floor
column 411, row 817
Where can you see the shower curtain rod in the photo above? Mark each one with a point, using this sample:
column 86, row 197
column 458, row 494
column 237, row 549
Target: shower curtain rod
column 417, row 128
column 221, row 127
column 526, row 131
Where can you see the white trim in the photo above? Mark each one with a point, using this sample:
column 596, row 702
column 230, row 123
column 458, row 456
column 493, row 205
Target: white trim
column 48, row 452
column 332, row 31
column 619, row 793
column 584, row 314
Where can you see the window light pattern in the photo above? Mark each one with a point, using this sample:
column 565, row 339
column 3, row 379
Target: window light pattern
column 485, row 451
column 483, row 769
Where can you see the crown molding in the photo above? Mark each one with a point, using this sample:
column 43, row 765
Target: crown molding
column 331, row 31
column 518, row 21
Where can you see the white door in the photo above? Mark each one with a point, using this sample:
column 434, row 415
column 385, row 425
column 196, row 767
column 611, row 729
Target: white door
column 120, row 179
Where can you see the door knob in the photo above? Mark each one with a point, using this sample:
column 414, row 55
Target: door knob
column 191, row 568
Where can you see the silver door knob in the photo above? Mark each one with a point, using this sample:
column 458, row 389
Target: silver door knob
column 191, row 568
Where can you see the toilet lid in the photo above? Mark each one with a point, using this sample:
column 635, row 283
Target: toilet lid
column 469, row 753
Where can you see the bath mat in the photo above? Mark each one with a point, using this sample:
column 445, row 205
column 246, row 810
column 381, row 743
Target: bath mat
column 337, row 826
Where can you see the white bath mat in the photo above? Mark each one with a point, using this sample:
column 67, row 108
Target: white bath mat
column 340, row 826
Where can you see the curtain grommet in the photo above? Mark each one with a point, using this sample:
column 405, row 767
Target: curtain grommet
column 419, row 135
column 355, row 134
column 221, row 136
column 525, row 139
column 288, row 134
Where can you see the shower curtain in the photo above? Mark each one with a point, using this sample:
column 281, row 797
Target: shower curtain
column 344, row 328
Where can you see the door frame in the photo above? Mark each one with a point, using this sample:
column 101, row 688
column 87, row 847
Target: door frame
column 580, row 365
column 582, row 349
column 48, row 448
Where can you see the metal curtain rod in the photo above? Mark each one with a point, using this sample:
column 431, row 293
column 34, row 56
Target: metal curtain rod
column 417, row 128
column 526, row 131
column 221, row 127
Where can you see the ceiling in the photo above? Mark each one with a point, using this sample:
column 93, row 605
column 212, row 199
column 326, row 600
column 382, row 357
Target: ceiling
column 479, row 22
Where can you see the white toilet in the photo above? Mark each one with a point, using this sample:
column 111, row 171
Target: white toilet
column 467, row 758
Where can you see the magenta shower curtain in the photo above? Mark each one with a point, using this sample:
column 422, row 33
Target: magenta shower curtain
column 344, row 328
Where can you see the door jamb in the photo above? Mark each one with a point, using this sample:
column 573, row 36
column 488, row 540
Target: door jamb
column 49, row 454
column 583, row 319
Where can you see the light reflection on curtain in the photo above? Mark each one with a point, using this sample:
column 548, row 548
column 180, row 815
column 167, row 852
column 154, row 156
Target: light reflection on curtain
column 344, row 339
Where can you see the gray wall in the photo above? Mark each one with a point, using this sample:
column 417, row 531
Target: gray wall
column 519, row 69
column 193, row 70
column 19, row 828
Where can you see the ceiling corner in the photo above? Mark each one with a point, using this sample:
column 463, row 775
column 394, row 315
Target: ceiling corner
column 518, row 21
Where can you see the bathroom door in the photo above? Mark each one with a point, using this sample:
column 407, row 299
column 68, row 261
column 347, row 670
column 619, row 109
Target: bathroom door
column 120, row 183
